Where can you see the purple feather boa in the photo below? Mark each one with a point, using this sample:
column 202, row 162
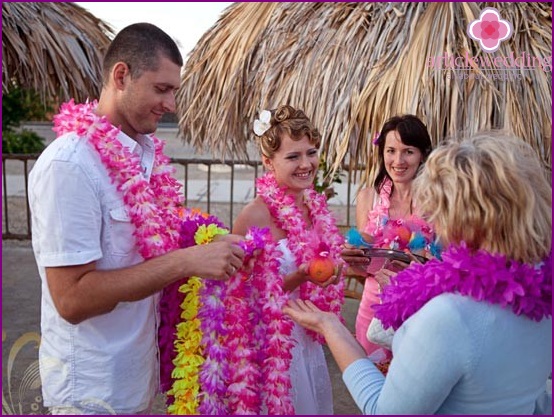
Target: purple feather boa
column 525, row 289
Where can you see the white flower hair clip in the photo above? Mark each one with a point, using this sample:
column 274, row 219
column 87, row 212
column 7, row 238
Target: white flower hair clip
column 262, row 124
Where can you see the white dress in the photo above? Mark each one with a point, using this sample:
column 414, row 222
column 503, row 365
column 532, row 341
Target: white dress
column 311, row 385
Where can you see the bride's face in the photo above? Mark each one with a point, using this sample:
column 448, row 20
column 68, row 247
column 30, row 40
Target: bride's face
column 295, row 164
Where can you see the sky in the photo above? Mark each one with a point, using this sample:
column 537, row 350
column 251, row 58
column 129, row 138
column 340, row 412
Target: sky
column 185, row 22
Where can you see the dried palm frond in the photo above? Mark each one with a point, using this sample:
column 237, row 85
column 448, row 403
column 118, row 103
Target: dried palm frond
column 350, row 66
column 54, row 48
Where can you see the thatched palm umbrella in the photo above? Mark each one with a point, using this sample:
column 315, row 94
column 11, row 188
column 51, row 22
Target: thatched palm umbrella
column 53, row 48
column 350, row 66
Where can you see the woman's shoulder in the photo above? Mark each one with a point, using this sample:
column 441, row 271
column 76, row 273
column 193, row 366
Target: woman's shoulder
column 368, row 210
column 442, row 320
column 364, row 201
column 257, row 211
column 451, row 312
column 254, row 214
column 366, row 194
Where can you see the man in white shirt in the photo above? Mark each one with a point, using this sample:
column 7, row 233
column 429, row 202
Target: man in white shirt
column 103, row 255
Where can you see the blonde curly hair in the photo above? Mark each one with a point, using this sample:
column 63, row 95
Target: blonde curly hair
column 490, row 191
column 287, row 120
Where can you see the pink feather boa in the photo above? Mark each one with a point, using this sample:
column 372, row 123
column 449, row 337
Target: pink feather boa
column 525, row 289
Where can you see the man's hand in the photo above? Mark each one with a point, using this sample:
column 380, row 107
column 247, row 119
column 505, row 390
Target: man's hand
column 219, row 259
column 228, row 237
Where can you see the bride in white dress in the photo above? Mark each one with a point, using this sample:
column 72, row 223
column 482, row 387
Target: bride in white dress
column 288, row 206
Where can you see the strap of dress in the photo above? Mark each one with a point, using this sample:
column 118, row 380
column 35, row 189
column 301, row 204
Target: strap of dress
column 380, row 209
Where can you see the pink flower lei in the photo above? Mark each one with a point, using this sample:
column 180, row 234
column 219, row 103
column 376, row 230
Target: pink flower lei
column 259, row 336
column 412, row 233
column 245, row 336
column 151, row 206
column 525, row 289
column 288, row 217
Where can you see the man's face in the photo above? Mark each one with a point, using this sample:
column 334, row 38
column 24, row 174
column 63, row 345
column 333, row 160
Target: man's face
column 145, row 99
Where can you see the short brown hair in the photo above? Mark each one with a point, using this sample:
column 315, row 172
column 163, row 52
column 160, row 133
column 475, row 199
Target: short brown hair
column 140, row 46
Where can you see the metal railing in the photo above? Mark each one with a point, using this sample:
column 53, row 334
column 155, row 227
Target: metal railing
column 17, row 205
column 16, row 220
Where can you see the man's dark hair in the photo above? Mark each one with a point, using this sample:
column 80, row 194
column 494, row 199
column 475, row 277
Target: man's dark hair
column 140, row 46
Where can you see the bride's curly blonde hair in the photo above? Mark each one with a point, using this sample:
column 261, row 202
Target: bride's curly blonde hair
column 292, row 122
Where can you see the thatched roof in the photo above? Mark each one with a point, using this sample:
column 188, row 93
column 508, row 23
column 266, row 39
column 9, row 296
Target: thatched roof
column 53, row 48
column 350, row 66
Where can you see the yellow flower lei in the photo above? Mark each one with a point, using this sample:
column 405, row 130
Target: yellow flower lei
column 188, row 345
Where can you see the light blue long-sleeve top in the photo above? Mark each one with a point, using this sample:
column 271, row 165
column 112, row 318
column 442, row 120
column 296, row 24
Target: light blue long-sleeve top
column 458, row 356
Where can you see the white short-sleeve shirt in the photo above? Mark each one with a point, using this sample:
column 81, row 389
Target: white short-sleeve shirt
column 108, row 362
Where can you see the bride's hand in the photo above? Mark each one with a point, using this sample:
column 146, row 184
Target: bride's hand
column 332, row 280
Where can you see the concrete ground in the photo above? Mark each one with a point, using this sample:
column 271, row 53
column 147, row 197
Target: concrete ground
column 21, row 391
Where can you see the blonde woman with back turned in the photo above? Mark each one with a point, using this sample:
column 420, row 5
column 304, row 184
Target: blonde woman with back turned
column 473, row 331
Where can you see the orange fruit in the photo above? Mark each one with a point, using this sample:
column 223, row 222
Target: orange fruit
column 321, row 269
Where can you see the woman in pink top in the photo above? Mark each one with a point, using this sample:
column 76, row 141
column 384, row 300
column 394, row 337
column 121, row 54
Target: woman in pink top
column 386, row 213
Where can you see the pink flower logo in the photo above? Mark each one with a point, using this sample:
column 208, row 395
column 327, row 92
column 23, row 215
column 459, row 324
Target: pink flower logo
column 489, row 29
